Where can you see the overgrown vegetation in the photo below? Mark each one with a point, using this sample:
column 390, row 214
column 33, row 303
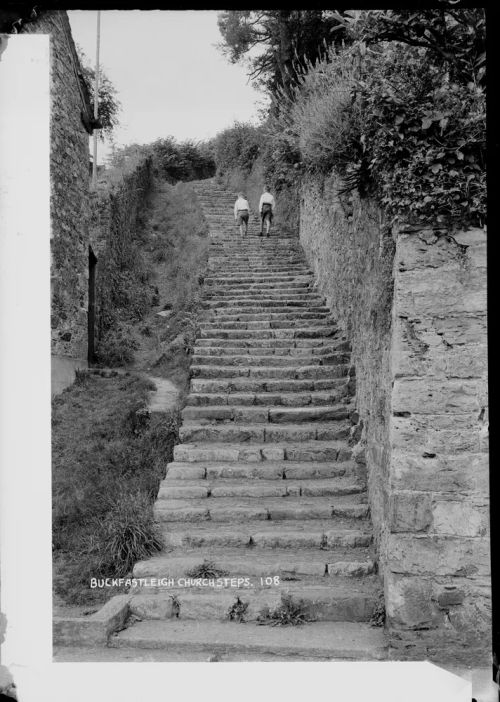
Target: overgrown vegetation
column 207, row 569
column 398, row 112
column 109, row 106
column 289, row 612
column 105, row 478
column 237, row 611
column 155, row 247
column 178, row 246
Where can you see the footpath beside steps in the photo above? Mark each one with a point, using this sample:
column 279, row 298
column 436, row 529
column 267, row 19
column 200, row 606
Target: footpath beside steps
column 263, row 492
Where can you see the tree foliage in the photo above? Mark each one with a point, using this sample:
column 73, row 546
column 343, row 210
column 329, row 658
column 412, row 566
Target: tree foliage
column 400, row 114
column 278, row 44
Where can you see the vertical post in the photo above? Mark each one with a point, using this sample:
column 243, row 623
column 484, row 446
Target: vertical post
column 96, row 98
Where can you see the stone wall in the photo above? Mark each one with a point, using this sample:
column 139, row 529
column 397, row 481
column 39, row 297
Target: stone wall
column 351, row 253
column 437, row 580
column 118, row 208
column 413, row 304
column 69, row 166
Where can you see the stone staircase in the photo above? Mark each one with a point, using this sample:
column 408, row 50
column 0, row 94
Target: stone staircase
column 262, row 489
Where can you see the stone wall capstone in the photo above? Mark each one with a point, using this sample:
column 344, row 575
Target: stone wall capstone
column 412, row 302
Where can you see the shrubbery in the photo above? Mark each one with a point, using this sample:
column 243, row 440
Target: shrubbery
column 399, row 113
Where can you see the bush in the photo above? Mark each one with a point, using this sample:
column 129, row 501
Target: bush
column 188, row 160
column 238, row 147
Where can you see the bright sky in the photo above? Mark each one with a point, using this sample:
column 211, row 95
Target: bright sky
column 170, row 77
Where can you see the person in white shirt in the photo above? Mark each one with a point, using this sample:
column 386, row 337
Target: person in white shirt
column 241, row 213
column 266, row 209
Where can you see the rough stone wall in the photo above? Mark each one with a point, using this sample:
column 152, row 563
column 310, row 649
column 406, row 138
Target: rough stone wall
column 69, row 167
column 437, row 582
column 413, row 304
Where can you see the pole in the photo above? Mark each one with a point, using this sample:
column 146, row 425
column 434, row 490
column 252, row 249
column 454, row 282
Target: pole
column 96, row 98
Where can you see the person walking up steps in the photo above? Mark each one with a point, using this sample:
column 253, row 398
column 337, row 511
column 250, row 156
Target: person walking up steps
column 266, row 209
column 241, row 213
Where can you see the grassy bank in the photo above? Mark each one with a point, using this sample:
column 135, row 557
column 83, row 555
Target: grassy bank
column 108, row 458
column 177, row 251
column 109, row 455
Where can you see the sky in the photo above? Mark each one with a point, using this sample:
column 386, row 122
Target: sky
column 169, row 76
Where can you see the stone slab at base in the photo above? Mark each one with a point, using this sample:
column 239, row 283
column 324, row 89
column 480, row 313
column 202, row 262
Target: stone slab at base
column 63, row 372
column 95, row 629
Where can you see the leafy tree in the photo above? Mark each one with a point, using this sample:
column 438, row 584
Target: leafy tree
column 278, row 44
column 109, row 106
column 454, row 38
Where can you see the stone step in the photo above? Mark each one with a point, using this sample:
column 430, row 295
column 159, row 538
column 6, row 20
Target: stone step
column 235, row 509
column 230, row 269
column 261, row 385
column 265, row 325
column 214, row 489
column 289, row 399
column 274, row 281
column 348, row 602
column 251, row 452
column 193, row 431
column 233, row 305
column 317, row 353
column 257, row 293
column 261, row 279
column 337, row 563
column 267, row 414
column 270, row 308
column 282, row 287
column 253, row 344
column 224, row 315
column 303, row 358
column 311, row 534
column 294, row 371
column 267, row 470
column 314, row 641
column 299, row 332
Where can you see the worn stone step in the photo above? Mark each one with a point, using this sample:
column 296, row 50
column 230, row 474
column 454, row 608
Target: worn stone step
column 251, row 452
column 300, row 352
column 336, row 344
column 337, row 563
column 284, row 399
column 257, row 294
column 316, row 534
column 261, row 470
column 234, row 509
column 214, row 489
column 267, row 414
column 294, row 371
column 315, row 641
column 299, row 332
column 353, row 602
column 218, row 315
column 265, row 301
column 257, row 278
column 192, row 431
column 270, row 359
column 260, row 385
column 261, row 279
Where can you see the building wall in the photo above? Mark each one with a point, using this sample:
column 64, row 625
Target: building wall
column 413, row 304
column 69, row 163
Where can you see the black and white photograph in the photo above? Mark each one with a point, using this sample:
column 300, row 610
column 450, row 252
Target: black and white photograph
column 263, row 282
